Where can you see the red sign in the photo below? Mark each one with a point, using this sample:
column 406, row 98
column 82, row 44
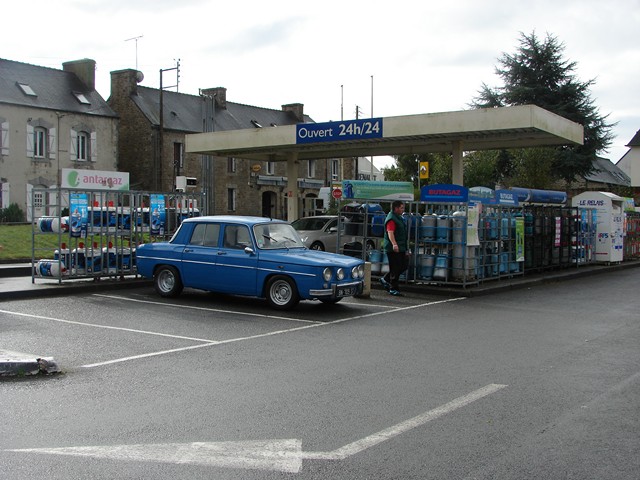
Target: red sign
column 336, row 193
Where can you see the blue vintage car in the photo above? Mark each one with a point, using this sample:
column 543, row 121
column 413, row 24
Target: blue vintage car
column 252, row 256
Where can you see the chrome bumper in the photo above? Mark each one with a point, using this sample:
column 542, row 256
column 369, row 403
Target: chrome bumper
column 333, row 291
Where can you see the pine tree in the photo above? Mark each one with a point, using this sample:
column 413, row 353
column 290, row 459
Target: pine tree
column 538, row 74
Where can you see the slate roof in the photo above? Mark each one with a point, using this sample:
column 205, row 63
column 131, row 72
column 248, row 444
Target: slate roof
column 183, row 112
column 54, row 89
column 607, row 172
column 635, row 141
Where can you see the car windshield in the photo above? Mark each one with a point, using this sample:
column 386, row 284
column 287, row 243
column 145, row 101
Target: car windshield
column 310, row 223
column 277, row 235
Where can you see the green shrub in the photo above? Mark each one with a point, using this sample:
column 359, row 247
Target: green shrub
column 12, row 214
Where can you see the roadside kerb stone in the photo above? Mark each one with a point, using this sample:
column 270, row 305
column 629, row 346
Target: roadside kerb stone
column 23, row 364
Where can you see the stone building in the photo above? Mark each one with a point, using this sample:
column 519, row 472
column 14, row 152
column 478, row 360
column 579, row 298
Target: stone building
column 50, row 120
column 630, row 164
column 153, row 125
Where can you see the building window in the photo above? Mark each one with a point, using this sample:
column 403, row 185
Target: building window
column 231, row 199
column 311, row 169
column 231, row 165
column 39, row 142
column 335, row 169
column 178, row 157
column 82, row 146
column 81, row 98
column 27, row 90
column 271, row 168
column 38, row 198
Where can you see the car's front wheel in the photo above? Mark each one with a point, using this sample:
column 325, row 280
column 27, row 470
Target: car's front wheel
column 317, row 246
column 167, row 281
column 282, row 293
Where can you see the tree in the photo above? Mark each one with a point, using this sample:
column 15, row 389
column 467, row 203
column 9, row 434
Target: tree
column 406, row 168
column 537, row 74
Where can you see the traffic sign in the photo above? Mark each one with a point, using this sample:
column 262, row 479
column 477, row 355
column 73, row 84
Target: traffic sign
column 336, row 193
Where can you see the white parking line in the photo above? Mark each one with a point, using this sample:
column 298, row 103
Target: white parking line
column 283, row 455
column 108, row 327
column 206, row 309
column 221, row 342
column 391, row 432
column 208, row 342
column 146, row 355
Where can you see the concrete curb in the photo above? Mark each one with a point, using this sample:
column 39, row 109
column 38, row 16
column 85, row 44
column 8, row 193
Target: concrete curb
column 14, row 364
column 71, row 287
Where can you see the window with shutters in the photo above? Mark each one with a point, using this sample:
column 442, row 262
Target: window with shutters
column 39, row 142
column 82, row 146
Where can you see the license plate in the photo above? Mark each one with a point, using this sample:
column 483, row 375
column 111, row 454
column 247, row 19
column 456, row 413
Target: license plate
column 346, row 291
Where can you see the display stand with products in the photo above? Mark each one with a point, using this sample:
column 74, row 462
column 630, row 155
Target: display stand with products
column 97, row 231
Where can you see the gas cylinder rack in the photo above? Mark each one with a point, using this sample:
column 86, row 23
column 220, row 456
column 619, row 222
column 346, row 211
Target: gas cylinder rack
column 441, row 254
column 99, row 236
column 632, row 235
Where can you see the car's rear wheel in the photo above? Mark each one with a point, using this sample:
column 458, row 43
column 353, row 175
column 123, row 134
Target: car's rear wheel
column 282, row 293
column 317, row 246
column 167, row 281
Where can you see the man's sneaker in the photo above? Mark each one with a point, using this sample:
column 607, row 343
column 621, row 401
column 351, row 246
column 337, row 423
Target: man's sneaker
column 386, row 285
column 396, row 293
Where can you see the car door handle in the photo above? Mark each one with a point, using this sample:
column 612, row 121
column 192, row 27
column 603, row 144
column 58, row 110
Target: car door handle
column 188, row 250
column 220, row 252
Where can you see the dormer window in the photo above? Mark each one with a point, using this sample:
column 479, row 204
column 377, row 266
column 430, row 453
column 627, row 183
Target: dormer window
column 81, row 98
column 27, row 90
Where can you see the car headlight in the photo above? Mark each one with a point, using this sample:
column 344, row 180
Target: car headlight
column 340, row 274
column 326, row 274
column 357, row 271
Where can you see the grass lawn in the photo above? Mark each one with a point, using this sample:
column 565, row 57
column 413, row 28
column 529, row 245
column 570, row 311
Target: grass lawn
column 16, row 243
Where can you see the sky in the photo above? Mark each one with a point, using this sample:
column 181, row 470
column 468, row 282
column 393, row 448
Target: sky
column 386, row 58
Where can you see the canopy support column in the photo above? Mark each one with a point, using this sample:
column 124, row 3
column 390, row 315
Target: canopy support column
column 457, row 166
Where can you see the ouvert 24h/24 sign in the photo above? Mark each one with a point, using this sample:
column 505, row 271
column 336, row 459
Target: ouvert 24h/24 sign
column 339, row 131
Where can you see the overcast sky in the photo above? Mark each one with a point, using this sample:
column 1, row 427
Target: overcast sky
column 424, row 56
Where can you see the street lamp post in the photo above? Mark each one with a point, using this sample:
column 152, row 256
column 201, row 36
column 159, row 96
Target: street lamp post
column 158, row 176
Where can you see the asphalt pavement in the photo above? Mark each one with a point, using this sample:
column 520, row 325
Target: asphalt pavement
column 16, row 282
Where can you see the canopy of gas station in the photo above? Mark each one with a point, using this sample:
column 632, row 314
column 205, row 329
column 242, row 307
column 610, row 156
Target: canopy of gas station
column 456, row 132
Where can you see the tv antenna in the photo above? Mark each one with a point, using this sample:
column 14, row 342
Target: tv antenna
column 136, row 39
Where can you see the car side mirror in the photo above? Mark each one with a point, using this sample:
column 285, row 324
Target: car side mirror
column 249, row 250
column 333, row 230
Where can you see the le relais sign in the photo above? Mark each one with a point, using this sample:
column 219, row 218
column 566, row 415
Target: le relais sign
column 94, row 179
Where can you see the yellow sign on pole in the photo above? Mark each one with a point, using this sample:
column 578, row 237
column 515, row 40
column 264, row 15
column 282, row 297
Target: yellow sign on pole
column 424, row 170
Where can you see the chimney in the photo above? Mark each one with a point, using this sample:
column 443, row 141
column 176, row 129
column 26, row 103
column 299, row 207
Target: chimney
column 219, row 94
column 84, row 69
column 297, row 109
column 124, row 83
